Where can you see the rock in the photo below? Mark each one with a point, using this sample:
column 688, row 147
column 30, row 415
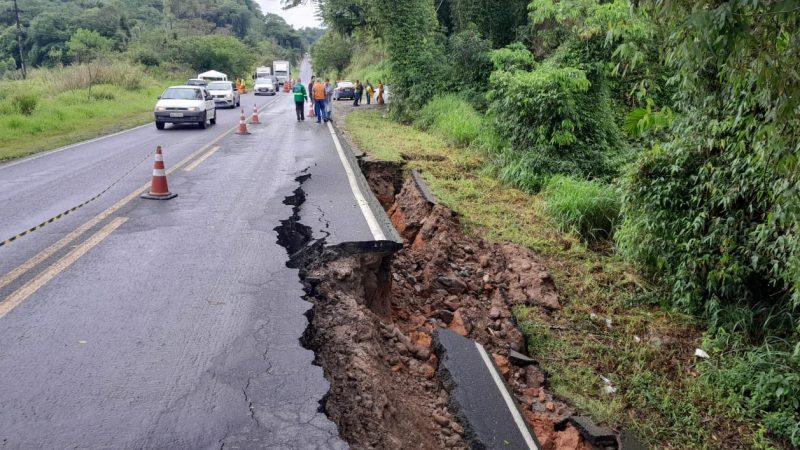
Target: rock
column 502, row 364
column 423, row 354
column 452, row 441
column 569, row 439
column 542, row 396
column 421, row 339
column 427, row 371
column 458, row 325
column 534, row 377
column 441, row 420
column 484, row 261
column 452, row 284
column 531, row 392
column 494, row 313
column 543, row 428
column 550, row 406
column 520, row 359
column 457, row 427
column 445, row 315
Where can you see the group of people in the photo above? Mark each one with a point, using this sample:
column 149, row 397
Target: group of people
column 367, row 87
column 321, row 96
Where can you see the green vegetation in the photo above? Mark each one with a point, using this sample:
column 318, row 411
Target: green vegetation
column 666, row 404
column 588, row 209
column 63, row 106
column 452, row 118
column 688, row 110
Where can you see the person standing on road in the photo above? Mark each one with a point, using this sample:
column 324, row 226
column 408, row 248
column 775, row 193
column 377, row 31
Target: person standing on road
column 300, row 97
column 370, row 90
column 319, row 101
column 381, row 87
column 359, row 89
column 328, row 99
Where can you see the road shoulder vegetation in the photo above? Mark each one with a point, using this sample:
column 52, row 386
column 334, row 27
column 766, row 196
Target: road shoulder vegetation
column 609, row 352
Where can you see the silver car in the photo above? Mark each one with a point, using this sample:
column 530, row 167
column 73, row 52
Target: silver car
column 264, row 86
column 185, row 104
column 224, row 93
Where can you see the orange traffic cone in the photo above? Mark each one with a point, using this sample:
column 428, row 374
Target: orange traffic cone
column 254, row 119
column 242, row 125
column 158, row 187
column 311, row 111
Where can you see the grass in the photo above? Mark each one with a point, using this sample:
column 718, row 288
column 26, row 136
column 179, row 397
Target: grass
column 68, row 110
column 589, row 209
column 451, row 118
column 646, row 352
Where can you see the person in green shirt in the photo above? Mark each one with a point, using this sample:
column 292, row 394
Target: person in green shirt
column 300, row 96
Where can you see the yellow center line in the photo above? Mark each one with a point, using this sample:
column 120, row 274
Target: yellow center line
column 199, row 160
column 22, row 269
column 21, row 294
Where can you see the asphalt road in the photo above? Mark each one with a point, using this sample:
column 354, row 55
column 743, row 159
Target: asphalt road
column 133, row 323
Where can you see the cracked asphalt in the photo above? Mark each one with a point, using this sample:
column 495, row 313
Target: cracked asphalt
column 180, row 329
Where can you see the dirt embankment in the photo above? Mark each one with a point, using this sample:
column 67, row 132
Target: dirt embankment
column 375, row 313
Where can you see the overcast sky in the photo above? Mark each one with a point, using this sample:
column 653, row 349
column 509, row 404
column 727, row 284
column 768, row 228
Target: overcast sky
column 298, row 17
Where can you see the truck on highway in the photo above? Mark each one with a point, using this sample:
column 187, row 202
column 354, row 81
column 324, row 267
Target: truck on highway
column 281, row 70
column 262, row 72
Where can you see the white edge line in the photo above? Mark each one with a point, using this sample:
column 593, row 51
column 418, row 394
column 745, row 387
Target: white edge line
column 369, row 216
column 61, row 149
column 501, row 386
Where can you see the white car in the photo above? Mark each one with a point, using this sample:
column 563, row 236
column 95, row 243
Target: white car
column 224, row 93
column 264, row 86
column 185, row 104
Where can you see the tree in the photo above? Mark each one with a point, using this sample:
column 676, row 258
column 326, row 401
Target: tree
column 85, row 46
column 223, row 53
column 331, row 52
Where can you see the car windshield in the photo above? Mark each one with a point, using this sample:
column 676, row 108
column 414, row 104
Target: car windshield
column 344, row 84
column 220, row 86
column 182, row 94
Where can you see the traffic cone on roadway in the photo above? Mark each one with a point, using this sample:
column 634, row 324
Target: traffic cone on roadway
column 158, row 187
column 254, row 119
column 242, row 125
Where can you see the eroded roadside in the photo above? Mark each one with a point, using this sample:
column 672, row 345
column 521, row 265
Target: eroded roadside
column 375, row 312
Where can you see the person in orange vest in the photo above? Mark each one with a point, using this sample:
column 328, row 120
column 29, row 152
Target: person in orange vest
column 318, row 93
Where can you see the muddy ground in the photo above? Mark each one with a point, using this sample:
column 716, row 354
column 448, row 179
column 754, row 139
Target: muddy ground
column 374, row 315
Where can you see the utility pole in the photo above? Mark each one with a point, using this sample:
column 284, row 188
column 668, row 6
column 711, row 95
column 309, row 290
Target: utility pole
column 19, row 42
column 167, row 20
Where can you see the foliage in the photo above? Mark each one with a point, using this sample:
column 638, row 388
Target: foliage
column 469, row 65
column 25, row 104
column 556, row 124
column 415, row 58
column 331, row 53
column 223, row 53
column 452, row 118
column 85, row 46
column 589, row 209
column 496, row 20
column 756, row 380
column 512, row 57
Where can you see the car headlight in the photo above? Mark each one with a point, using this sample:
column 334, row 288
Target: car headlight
column 161, row 108
column 228, row 95
column 193, row 108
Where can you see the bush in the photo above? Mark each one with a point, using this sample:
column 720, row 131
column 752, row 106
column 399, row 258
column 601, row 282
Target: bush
column 452, row 118
column 25, row 104
column 589, row 209
column 557, row 122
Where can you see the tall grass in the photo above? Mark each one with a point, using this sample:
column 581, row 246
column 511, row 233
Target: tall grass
column 72, row 104
column 452, row 118
column 589, row 209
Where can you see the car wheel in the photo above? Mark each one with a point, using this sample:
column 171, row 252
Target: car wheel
column 160, row 125
column 238, row 101
column 202, row 123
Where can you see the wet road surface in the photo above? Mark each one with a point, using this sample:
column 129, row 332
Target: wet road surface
column 143, row 324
